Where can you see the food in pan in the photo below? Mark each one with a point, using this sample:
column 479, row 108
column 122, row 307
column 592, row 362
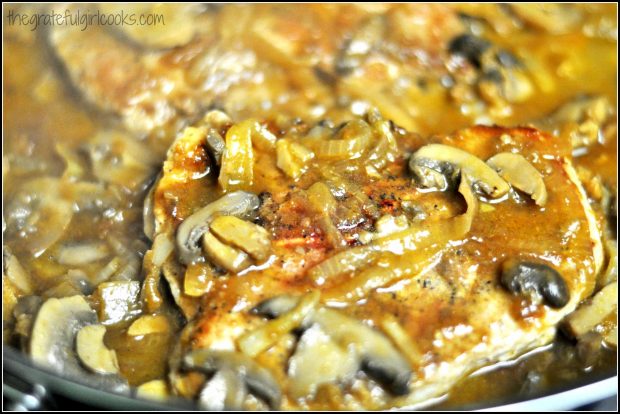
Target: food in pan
column 314, row 206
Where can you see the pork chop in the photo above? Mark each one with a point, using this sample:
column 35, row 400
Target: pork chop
column 436, row 293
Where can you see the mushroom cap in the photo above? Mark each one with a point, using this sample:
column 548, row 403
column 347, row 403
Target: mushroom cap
column 53, row 341
column 55, row 328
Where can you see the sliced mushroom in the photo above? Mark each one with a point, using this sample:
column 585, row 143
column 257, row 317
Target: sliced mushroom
column 257, row 341
column 216, row 121
column 239, row 203
column 174, row 274
column 378, row 357
column 500, row 78
column 226, row 390
column 55, row 327
column 249, row 237
column 499, row 84
column 53, row 340
column 275, row 306
column 434, row 157
column 258, row 379
column 434, row 175
column 216, row 145
column 319, row 360
column 611, row 338
column 520, row 174
column 92, row 351
column 223, row 255
column 537, row 281
column 198, row 279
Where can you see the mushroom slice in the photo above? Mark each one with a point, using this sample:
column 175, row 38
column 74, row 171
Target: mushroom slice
column 275, row 306
column 515, row 169
column 379, row 357
column 216, row 121
column 319, row 360
column 239, row 204
column 434, row 156
column 224, row 391
column 258, row 379
column 434, row 175
column 257, row 341
column 92, row 351
column 537, row 281
column 223, row 255
column 53, row 340
column 249, row 237
column 54, row 330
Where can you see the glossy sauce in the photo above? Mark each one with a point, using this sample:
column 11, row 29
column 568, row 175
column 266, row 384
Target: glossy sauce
column 40, row 113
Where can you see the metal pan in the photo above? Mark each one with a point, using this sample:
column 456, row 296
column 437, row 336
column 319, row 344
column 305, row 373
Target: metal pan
column 28, row 386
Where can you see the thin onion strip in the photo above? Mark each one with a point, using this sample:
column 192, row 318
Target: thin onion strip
column 415, row 237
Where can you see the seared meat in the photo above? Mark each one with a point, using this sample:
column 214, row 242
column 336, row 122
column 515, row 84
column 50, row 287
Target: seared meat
column 249, row 62
column 146, row 89
column 453, row 308
column 312, row 261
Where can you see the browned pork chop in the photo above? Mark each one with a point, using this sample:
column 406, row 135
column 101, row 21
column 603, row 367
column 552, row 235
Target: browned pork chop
column 435, row 293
